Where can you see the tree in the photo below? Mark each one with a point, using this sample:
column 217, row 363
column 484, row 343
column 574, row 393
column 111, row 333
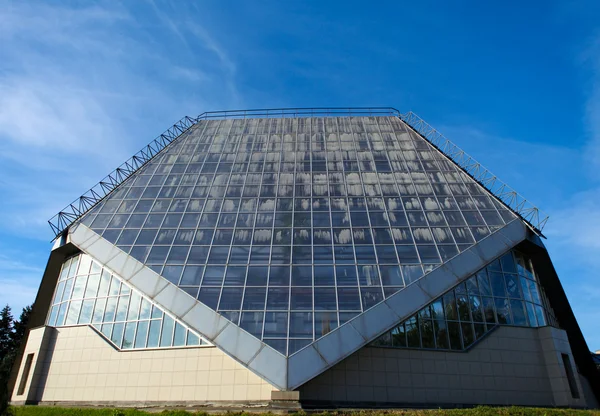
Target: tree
column 12, row 333
column 20, row 327
column 6, row 332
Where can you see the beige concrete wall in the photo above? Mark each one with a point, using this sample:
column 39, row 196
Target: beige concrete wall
column 37, row 344
column 507, row 367
column 81, row 366
column 554, row 343
column 511, row 366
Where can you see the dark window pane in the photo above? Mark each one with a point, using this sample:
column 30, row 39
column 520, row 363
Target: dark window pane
column 302, row 255
column 368, row 276
column 346, row 275
column 455, row 335
column 209, row 296
column 325, row 298
column 407, row 254
column 257, row 276
column 279, row 276
column 497, row 284
column 178, row 255
column 391, row 276
column 359, row 219
column 278, row 298
column 198, row 255
column 503, row 311
column 252, row 322
column 276, row 324
column 513, row 286
column 365, row 255
column 301, row 325
column 412, row 333
column 254, row 298
column 426, row 327
column 325, row 322
column 204, row 236
column 519, row 314
column 371, row 296
column 231, row 298
column 213, row 276
column 157, row 255
column 235, row 276
column 260, row 255
column 218, row 255
column 468, row 335
column 191, row 276
column 324, row 276
column 281, row 255
column 386, row 254
column 239, row 255
column 301, row 298
column 348, row 298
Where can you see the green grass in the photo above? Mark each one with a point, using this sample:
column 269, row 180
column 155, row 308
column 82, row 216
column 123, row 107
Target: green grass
column 477, row 411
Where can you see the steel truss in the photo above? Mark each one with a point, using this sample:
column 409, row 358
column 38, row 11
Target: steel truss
column 513, row 200
column 529, row 213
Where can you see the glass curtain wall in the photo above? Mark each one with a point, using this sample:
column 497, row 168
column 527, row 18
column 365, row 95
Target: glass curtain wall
column 89, row 294
column 505, row 292
column 290, row 227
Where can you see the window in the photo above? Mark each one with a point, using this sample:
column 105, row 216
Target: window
column 25, row 375
column 570, row 376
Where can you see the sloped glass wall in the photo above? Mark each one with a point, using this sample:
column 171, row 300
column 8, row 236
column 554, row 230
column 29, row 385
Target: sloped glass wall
column 89, row 294
column 505, row 292
column 290, row 227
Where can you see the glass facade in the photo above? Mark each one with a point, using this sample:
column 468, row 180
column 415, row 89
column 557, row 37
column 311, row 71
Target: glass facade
column 505, row 292
column 88, row 294
column 290, row 227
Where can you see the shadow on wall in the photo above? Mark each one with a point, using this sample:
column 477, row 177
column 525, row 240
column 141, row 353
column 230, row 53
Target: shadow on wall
column 40, row 377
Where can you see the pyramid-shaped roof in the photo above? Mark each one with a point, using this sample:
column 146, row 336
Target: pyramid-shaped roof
column 291, row 241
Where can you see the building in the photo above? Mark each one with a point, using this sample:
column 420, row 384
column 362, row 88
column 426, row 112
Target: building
column 333, row 257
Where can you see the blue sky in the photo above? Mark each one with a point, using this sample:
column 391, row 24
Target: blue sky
column 517, row 85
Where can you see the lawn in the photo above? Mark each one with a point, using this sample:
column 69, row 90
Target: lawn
column 477, row 411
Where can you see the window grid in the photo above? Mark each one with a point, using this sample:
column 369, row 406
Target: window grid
column 469, row 311
column 349, row 154
column 99, row 298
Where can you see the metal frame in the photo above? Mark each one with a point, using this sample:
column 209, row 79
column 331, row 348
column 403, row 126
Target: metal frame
column 76, row 209
column 530, row 214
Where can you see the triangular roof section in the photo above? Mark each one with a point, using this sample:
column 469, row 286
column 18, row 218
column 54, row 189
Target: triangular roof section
column 206, row 140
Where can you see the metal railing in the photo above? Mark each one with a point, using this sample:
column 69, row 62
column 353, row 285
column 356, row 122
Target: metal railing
column 76, row 209
column 302, row 112
column 79, row 207
column 528, row 212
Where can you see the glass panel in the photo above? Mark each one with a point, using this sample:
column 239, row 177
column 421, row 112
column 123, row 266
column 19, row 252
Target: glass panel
column 73, row 313
column 179, row 339
column 154, row 333
column 129, row 334
column 166, row 338
column 86, row 311
column 141, row 334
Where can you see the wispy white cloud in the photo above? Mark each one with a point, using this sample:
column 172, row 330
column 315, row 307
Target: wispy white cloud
column 83, row 88
column 577, row 225
column 19, row 280
column 591, row 64
column 193, row 35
